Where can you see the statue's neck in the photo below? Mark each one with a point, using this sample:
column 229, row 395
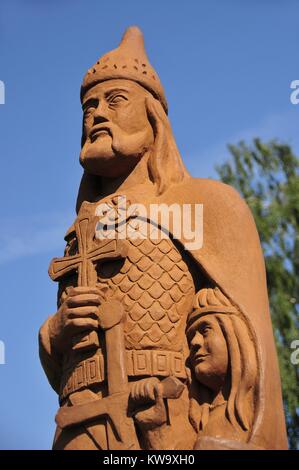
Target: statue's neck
column 138, row 177
column 220, row 394
column 219, row 399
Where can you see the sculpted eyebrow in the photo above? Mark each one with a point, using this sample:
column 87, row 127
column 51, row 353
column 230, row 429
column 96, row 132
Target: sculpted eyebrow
column 115, row 90
column 204, row 324
column 94, row 101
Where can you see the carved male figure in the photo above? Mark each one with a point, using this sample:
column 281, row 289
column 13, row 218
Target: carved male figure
column 122, row 378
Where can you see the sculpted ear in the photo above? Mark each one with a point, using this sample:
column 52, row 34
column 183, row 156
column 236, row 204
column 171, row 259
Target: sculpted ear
column 165, row 164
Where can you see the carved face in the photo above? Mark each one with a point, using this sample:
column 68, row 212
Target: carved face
column 116, row 127
column 208, row 352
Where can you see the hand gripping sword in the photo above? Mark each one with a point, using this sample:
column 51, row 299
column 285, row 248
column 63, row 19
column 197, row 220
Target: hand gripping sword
column 90, row 252
column 115, row 405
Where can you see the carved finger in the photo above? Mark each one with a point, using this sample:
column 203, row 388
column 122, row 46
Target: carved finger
column 143, row 390
column 84, row 300
column 81, row 323
column 139, row 392
column 149, row 390
column 133, row 392
column 79, row 312
column 74, row 291
column 158, row 392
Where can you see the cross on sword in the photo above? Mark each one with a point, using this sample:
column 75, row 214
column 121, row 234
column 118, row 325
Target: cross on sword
column 122, row 433
column 111, row 317
column 90, row 251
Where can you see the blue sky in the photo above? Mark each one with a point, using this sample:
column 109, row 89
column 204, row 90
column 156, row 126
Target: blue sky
column 226, row 67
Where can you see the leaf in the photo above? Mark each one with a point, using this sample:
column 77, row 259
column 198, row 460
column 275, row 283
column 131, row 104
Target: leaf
column 267, row 176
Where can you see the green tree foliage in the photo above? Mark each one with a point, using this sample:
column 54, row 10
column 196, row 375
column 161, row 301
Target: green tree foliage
column 267, row 176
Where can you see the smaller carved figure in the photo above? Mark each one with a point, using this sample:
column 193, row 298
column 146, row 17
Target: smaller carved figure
column 223, row 373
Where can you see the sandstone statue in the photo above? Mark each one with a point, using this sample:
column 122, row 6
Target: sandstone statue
column 158, row 342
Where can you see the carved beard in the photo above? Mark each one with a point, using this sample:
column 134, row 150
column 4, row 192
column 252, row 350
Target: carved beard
column 116, row 152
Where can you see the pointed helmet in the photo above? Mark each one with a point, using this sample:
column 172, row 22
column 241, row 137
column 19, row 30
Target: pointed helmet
column 128, row 61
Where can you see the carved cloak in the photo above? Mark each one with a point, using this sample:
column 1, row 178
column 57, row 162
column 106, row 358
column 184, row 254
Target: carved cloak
column 231, row 256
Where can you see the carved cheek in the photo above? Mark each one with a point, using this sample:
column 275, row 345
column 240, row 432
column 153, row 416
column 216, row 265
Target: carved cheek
column 209, row 343
column 213, row 344
column 87, row 123
column 130, row 118
column 219, row 353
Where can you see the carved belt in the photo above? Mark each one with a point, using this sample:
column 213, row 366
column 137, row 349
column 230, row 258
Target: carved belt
column 139, row 363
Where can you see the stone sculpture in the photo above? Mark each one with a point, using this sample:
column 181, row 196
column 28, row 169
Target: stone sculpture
column 156, row 344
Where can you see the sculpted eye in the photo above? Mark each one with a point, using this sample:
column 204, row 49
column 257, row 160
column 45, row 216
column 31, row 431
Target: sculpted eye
column 88, row 110
column 89, row 107
column 115, row 99
column 205, row 330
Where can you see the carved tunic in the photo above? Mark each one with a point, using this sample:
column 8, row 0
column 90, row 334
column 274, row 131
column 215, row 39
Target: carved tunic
column 155, row 285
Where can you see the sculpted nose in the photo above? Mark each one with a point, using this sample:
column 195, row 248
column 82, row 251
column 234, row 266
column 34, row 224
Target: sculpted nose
column 197, row 341
column 101, row 113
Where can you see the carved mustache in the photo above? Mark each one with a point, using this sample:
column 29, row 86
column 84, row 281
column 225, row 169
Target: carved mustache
column 97, row 129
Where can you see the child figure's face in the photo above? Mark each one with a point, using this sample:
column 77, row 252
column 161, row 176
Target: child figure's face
column 208, row 352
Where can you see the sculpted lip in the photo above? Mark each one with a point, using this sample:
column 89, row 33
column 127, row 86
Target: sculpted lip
column 200, row 357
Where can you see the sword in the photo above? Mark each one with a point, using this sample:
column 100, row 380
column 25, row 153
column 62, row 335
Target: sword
column 115, row 405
